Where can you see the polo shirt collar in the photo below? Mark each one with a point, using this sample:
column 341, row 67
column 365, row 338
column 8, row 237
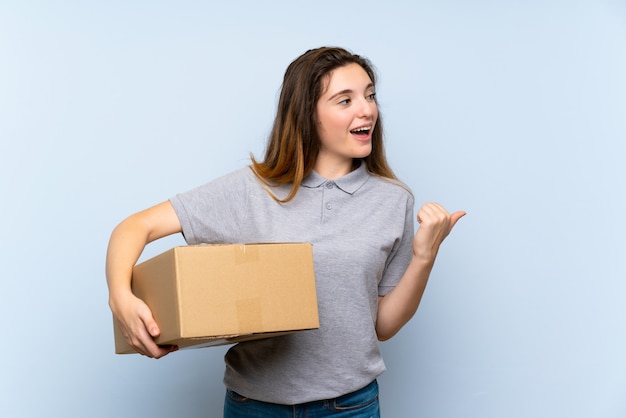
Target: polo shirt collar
column 349, row 183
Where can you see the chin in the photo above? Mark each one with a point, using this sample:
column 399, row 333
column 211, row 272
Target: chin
column 363, row 153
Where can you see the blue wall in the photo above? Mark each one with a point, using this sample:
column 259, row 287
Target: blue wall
column 514, row 111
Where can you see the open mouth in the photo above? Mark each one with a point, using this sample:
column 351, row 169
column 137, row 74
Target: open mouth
column 363, row 131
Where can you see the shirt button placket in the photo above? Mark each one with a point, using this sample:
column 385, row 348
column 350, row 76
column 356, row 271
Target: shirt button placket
column 328, row 205
column 330, row 185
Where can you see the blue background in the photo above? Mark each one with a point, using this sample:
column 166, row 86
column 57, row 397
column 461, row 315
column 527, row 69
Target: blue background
column 511, row 110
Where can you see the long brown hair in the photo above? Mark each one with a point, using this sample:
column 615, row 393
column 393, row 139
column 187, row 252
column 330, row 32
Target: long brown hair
column 294, row 143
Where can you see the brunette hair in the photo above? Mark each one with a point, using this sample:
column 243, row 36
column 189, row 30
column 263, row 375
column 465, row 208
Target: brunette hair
column 294, row 144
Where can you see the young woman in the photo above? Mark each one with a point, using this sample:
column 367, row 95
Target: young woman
column 324, row 180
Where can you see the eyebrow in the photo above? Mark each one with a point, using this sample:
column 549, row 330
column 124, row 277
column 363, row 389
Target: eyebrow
column 348, row 91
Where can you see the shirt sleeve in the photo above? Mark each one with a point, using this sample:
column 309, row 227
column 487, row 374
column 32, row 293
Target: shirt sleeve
column 214, row 212
column 400, row 256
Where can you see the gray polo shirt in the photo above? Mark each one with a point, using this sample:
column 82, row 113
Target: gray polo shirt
column 361, row 227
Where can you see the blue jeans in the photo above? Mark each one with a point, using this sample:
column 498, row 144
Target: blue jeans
column 360, row 404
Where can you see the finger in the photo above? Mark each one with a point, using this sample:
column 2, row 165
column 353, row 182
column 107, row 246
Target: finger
column 146, row 346
column 454, row 218
column 162, row 351
column 140, row 338
column 147, row 340
column 145, row 315
column 141, row 343
column 425, row 212
column 153, row 328
column 432, row 211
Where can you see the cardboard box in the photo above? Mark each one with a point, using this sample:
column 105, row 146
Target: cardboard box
column 208, row 295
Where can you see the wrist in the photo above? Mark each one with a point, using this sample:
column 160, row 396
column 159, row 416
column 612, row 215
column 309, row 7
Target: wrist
column 118, row 298
column 425, row 256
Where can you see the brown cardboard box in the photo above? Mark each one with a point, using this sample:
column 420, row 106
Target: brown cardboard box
column 207, row 295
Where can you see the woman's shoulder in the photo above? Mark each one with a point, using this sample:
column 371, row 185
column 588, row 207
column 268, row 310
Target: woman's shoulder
column 235, row 181
column 392, row 185
column 240, row 176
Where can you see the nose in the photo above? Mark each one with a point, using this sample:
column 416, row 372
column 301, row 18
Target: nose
column 367, row 108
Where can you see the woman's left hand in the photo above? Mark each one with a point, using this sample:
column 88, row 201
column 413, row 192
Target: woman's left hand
column 435, row 225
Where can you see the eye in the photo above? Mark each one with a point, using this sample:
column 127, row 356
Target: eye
column 371, row 96
column 345, row 102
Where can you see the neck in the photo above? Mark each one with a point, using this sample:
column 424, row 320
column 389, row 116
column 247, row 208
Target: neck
column 334, row 170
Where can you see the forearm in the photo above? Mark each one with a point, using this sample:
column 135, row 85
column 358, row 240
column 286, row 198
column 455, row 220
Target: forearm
column 127, row 242
column 129, row 239
column 398, row 306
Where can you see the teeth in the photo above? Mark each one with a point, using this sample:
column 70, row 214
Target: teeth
column 364, row 129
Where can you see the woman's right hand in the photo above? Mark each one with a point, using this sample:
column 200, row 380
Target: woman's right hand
column 138, row 326
column 125, row 246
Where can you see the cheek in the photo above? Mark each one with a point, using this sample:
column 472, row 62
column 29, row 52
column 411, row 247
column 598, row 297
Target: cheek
column 318, row 123
column 375, row 112
column 331, row 124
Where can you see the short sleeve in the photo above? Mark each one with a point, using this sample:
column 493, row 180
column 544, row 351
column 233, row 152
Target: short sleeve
column 214, row 212
column 400, row 256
